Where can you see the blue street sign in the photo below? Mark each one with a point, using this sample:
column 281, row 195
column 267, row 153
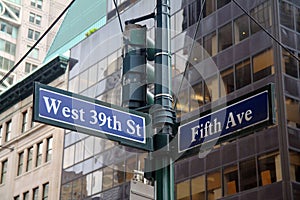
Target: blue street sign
column 79, row 113
column 249, row 112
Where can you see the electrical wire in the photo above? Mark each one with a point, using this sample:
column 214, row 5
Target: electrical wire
column 190, row 52
column 266, row 31
column 118, row 13
column 36, row 43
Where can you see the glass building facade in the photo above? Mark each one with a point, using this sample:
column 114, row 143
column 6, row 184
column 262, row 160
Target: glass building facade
column 224, row 56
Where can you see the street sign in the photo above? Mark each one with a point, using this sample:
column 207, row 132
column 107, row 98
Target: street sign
column 67, row 110
column 255, row 110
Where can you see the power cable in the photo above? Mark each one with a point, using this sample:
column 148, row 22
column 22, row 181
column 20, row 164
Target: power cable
column 36, row 43
column 118, row 13
column 266, row 31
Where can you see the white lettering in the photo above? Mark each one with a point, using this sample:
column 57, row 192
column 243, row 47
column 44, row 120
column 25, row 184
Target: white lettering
column 195, row 131
column 55, row 106
column 130, row 124
column 248, row 115
column 66, row 111
column 230, row 120
column 240, row 117
column 75, row 114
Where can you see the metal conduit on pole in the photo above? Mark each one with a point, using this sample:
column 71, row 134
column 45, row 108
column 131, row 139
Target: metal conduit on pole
column 163, row 113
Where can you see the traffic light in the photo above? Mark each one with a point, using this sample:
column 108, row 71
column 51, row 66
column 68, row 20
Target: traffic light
column 136, row 72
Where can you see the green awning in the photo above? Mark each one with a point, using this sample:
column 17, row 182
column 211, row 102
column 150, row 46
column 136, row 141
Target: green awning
column 82, row 16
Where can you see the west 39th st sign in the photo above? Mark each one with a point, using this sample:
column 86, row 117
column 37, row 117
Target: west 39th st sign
column 79, row 113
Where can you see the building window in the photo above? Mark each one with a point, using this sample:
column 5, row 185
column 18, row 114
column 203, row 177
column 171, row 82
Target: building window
column 49, row 149
column 29, row 67
column 248, row 175
column 45, row 191
column 24, row 121
column 26, row 195
column 221, row 3
column 227, row 81
column 33, row 35
column 35, row 195
column 198, row 187
column 293, row 117
column 263, row 65
column 210, row 43
column 8, row 29
column 231, row 180
column 197, row 96
column 183, row 190
column 214, row 182
column 39, row 154
column 3, row 171
column 210, row 7
column 297, row 14
column 243, row 74
column 35, row 19
column 29, row 159
column 269, row 169
column 8, row 131
column 262, row 14
column 7, row 47
column 241, row 28
column 107, row 178
column 34, row 53
column 286, row 14
column 290, row 64
column 211, row 89
column 20, row 163
column 5, row 63
column 295, row 166
column 37, row 3
column 225, row 37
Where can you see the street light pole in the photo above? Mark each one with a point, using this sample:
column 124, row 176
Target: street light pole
column 163, row 113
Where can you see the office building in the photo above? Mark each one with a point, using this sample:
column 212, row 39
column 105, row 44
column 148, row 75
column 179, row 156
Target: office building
column 239, row 58
column 22, row 23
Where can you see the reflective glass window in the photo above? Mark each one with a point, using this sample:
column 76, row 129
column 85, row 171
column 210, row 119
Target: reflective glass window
column 197, row 96
column 221, row 3
column 210, row 43
column 214, row 183
column 295, row 166
column 243, row 74
column 297, row 14
column 241, row 28
column 210, row 7
column 225, row 37
column 183, row 190
column 290, row 64
column 198, row 188
column 293, row 117
column 269, row 167
column 262, row 14
column 248, row 174
column 287, row 14
column 263, row 64
column 227, row 81
column 231, row 180
column 107, row 178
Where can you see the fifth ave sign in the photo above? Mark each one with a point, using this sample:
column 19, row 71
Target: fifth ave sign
column 251, row 111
